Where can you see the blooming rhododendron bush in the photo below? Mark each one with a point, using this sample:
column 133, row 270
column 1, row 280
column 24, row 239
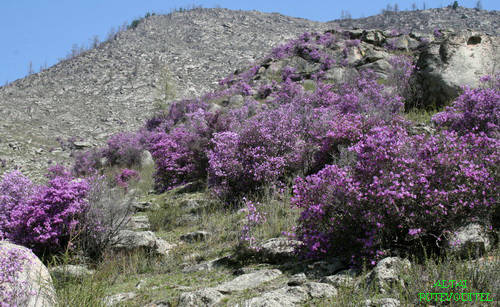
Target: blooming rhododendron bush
column 42, row 218
column 398, row 189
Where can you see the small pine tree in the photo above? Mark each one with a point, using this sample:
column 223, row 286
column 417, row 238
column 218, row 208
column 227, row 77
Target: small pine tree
column 455, row 5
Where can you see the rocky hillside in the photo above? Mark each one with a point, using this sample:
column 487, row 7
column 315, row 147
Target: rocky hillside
column 428, row 20
column 79, row 102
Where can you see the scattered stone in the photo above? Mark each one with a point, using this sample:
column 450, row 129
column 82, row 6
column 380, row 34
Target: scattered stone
column 387, row 273
column 472, row 239
column 34, row 277
column 70, row 271
column 119, row 298
column 383, row 302
column 297, row 279
column 196, row 236
column 204, row 297
column 248, row 281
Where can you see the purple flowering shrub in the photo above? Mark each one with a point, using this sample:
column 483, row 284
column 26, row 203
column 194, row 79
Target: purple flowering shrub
column 42, row 218
column 269, row 147
column 86, row 163
column 476, row 110
column 125, row 176
column 123, row 149
column 398, row 189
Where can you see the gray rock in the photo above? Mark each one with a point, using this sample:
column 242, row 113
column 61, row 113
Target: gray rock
column 161, row 303
column 284, row 297
column 338, row 280
column 383, row 302
column 140, row 222
column 320, row 290
column 387, row 273
column 458, row 60
column 297, row 279
column 118, row 298
column 248, row 281
column 292, row 296
column 276, row 250
column 146, row 160
column 236, row 100
column 145, row 206
column 34, row 277
column 204, row 297
column 472, row 239
column 205, row 266
column 70, row 271
column 145, row 240
column 196, row 236
column 323, row 268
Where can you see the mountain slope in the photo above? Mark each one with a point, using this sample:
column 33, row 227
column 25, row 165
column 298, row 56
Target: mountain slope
column 112, row 88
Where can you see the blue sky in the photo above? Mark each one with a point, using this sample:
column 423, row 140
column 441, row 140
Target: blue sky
column 44, row 31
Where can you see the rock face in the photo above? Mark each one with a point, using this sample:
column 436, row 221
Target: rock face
column 32, row 283
column 468, row 240
column 460, row 59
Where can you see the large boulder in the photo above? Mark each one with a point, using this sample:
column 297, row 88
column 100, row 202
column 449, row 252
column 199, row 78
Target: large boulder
column 24, row 279
column 459, row 59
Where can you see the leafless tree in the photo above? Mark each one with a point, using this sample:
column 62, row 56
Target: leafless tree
column 414, row 6
column 30, row 68
column 94, row 42
column 479, row 5
column 396, row 7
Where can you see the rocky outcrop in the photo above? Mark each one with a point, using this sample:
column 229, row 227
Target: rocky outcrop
column 459, row 59
column 30, row 284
